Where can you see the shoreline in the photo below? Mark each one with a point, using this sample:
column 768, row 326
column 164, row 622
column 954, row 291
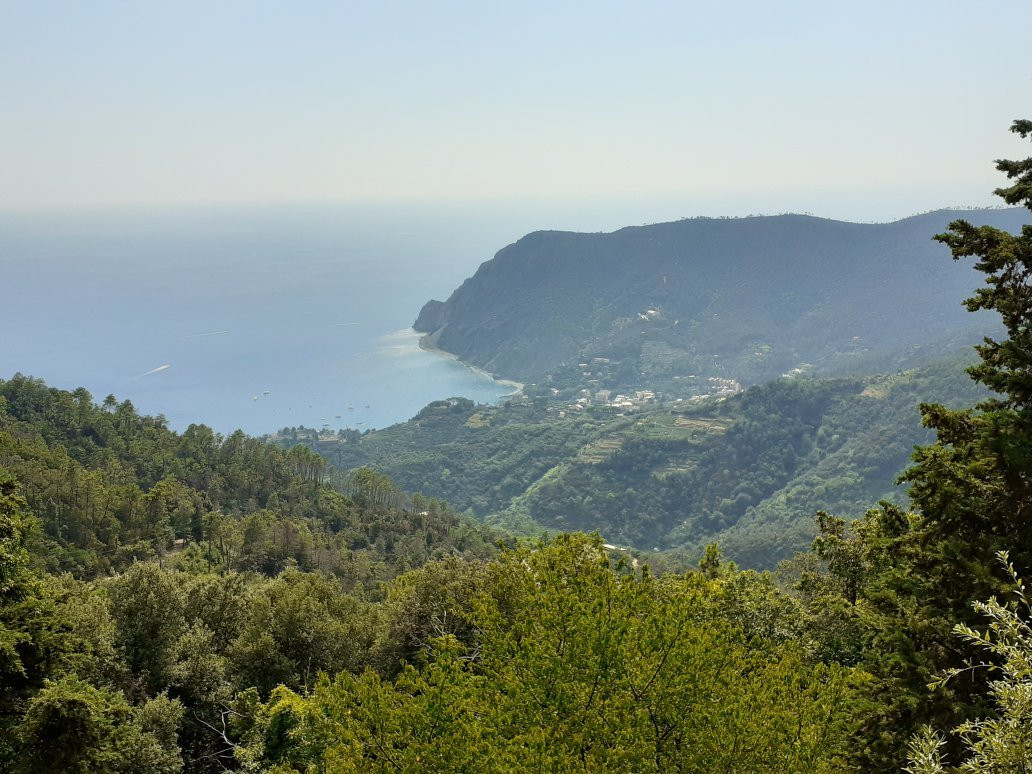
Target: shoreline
column 427, row 347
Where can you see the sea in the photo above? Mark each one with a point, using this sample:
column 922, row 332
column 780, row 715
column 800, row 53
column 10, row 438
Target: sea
column 254, row 318
column 262, row 317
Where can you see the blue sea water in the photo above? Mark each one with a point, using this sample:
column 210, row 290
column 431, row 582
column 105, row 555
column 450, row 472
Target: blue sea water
column 255, row 318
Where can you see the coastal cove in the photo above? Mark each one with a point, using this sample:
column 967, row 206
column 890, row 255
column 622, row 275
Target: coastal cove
column 256, row 319
column 426, row 345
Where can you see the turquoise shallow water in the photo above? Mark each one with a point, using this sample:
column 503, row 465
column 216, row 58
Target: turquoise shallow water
column 255, row 318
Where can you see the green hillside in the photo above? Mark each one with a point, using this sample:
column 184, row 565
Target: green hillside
column 669, row 305
column 749, row 470
column 111, row 486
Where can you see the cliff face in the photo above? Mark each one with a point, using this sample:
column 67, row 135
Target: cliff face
column 748, row 298
column 431, row 317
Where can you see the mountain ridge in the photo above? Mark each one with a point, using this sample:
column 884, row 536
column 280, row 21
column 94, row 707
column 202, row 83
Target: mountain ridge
column 746, row 298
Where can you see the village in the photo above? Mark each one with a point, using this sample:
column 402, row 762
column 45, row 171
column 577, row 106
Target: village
column 615, row 402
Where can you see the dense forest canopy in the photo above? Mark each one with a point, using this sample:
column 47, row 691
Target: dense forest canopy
column 193, row 602
column 110, row 486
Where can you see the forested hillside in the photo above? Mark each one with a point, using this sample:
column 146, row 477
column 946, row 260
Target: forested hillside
column 181, row 601
column 748, row 471
column 746, row 299
column 196, row 603
column 149, row 579
column 111, row 486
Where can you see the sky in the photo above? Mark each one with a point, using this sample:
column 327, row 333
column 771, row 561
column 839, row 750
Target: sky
column 866, row 110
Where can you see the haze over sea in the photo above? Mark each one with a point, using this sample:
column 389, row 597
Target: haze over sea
column 255, row 318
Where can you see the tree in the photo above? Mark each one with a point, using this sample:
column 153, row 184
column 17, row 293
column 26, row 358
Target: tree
column 971, row 493
column 25, row 611
column 425, row 604
column 171, row 510
column 72, row 726
column 988, row 456
column 710, row 563
column 973, row 487
column 299, row 625
column 19, row 585
column 147, row 605
column 1003, row 742
column 577, row 665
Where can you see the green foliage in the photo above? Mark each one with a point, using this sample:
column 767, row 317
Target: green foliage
column 427, row 604
column 919, row 574
column 111, row 487
column 747, row 472
column 710, row 564
column 147, row 606
column 18, row 583
column 577, row 664
column 242, row 566
column 1001, row 742
column 299, row 625
column 71, row 726
column 924, row 753
column 82, row 635
column 24, row 606
column 229, row 604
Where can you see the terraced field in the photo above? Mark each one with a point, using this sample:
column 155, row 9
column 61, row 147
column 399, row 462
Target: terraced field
column 599, row 451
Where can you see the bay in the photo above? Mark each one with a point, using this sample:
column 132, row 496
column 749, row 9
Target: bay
column 255, row 318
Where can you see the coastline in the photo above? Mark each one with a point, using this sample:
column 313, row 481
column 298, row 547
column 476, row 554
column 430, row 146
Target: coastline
column 426, row 346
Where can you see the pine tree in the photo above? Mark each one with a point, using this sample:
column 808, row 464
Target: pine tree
column 974, row 485
column 971, row 495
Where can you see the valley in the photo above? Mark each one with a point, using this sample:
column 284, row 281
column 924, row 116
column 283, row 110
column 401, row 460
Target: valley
column 666, row 475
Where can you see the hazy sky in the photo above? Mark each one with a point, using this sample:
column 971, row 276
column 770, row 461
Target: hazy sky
column 870, row 108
